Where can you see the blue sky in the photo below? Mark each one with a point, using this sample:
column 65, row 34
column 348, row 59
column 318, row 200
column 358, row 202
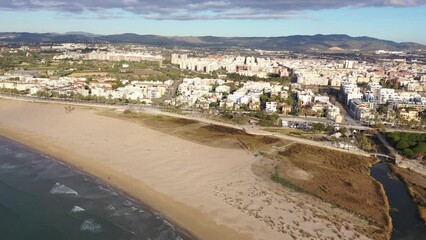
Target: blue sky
column 398, row 20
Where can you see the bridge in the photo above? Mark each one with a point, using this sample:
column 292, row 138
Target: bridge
column 387, row 157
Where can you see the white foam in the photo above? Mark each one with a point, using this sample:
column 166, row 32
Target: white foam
column 120, row 212
column 104, row 189
column 110, row 208
column 62, row 189
column 7, row 166
column 169, row 224
column 76, row 209
column 91, row 226
column 22, row 155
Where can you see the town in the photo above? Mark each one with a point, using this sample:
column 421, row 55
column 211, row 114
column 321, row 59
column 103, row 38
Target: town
column 323, row 98
column 386, row 92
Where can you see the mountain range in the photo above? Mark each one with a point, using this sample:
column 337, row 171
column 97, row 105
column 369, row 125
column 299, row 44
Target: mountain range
column 293, row 43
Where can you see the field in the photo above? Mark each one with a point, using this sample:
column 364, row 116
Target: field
column 416, row 184
column 339, row 178
column 206, row 134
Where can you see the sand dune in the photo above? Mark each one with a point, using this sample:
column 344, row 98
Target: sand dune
column 211, row 192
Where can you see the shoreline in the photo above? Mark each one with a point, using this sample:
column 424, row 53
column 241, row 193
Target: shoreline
column 188, row 218
column 185, row 232
column 169, row 209
column 210, row 192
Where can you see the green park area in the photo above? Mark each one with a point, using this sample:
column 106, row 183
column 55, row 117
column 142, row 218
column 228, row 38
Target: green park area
column 409, row 144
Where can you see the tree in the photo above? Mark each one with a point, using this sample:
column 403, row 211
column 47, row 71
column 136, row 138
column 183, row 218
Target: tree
column 290, row 101
column 423, row 117
column 213, row 104
column 343, row 130
column 329, row 129
column 383, row 109
column 117, row 83
column 318, row 127
column 363, row 142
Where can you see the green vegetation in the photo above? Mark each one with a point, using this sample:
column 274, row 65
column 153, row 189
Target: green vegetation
column 383, row 109
column 234, row 117
column 390, row 84
column 12, row 91
column 423, row 117
column 271, row 78
column 364, row 142
column 266, row 120
column 20, row 59
column 318, row 127
column 409, row 144
column 88, row 98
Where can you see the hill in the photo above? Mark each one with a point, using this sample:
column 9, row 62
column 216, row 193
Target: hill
column 295, row 42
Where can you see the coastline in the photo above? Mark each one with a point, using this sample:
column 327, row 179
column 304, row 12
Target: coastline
column 188, row 219
column 206, row 191
column 174, row 211
column 120, row 190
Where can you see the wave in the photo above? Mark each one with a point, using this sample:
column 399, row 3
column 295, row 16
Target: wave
column 90, row 225
column 121, row 212
column 128, row 203
column 60, row 189
column 110, row 208
column 7, row 166
column 76, row 209
column 169, row 234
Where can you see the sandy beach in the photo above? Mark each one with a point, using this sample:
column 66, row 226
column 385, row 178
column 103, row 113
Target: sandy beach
column 211, row 192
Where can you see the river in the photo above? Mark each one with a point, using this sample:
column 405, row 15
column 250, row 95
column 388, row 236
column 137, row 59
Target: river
column 405, row 216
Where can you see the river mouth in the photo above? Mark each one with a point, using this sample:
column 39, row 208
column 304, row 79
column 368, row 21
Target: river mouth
column 403, row 210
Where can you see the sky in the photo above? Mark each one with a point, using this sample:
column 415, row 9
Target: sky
column 397, row 20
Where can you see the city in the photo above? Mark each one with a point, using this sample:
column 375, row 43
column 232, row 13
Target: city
column 245, row 120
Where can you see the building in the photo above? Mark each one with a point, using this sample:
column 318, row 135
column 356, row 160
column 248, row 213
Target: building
column 271, row 107
column 384, row 94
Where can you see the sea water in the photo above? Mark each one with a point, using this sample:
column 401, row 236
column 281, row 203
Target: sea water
column 41, row 198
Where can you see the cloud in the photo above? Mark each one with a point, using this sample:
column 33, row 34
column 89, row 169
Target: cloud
column 199, row 9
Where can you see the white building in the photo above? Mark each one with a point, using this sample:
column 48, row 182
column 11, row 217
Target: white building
column 271, row 107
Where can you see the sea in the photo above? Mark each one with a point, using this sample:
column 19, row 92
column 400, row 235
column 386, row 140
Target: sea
column 42, row 198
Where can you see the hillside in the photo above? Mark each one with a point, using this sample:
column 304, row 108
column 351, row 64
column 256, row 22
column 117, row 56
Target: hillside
column 296, row 42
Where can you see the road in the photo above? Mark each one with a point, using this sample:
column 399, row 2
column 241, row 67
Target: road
column 197, row 117
column 252, row 130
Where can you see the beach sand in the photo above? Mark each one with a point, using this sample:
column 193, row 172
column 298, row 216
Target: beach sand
column 211, row 192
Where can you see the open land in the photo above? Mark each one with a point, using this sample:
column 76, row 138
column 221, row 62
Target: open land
column 209, row 180
column 336, row 177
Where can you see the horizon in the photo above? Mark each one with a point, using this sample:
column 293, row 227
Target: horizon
column 76, row 32
column 392, row 20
